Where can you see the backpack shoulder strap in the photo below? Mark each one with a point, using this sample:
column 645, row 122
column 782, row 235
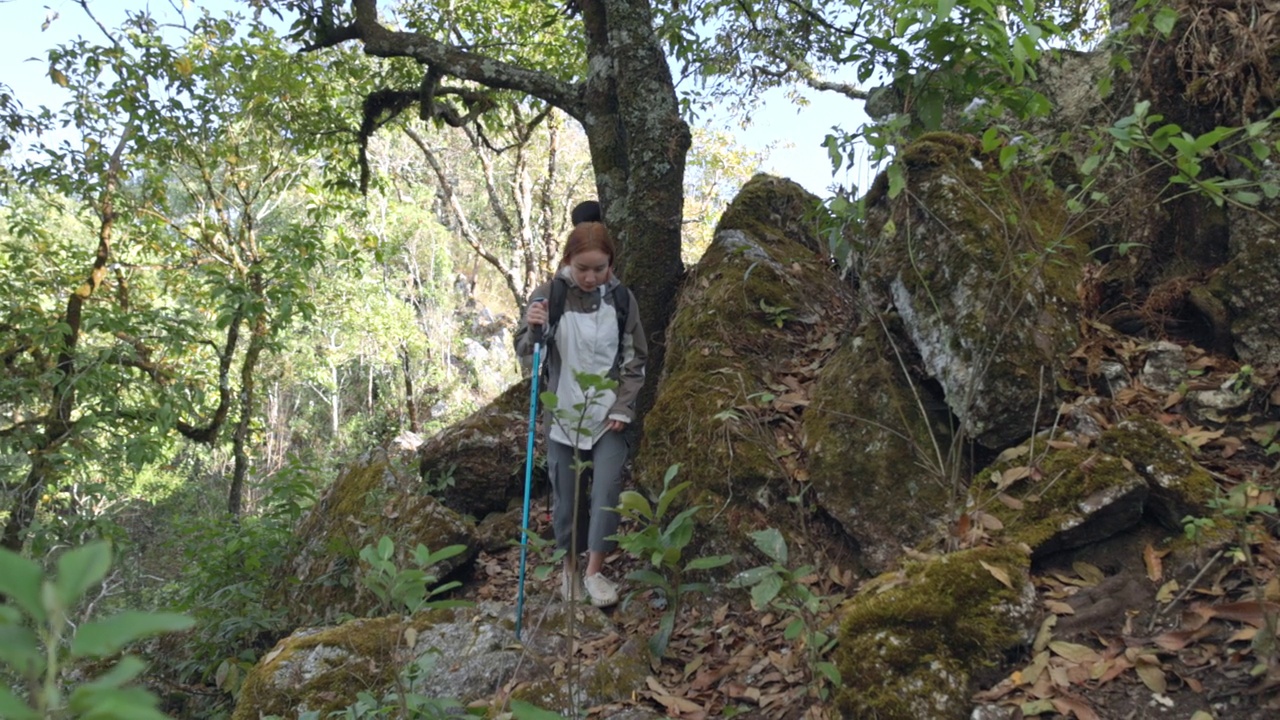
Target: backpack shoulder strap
column 555, row 306
column 621, row 306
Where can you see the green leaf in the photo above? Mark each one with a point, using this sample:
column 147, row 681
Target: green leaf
column 772, row 544
column 648, row 577
column 122, row 672
column 898, row 179
column 658, row 643
column 132, row 703
column 929, row 111
column 1090, row 164
column 80, row 569
column 748, row 578
column 20, row 580
column 385, row 548
column 670, row 474
column 669, row 495
column 1008, row 155
column 829, row 671
column 707, row 563
column 104, row 637
column 793, row 630
column 12, row 708
column 765, row 591
column 1246, row 197
column 20, row 649
column 945, row 7
column 1165, row 19
column 636, row 504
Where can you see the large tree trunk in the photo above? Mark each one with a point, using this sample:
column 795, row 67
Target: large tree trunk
column 638, row 143
column 248, row 405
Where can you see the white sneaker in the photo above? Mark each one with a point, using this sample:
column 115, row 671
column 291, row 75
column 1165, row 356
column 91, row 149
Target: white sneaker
column 602, row 591
column 567, row 589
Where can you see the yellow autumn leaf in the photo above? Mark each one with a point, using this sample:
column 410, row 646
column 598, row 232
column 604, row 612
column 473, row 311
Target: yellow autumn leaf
column 56, row 75
column 184, row 66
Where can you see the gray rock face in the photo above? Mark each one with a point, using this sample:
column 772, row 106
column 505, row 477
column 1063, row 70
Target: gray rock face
column 986, row 294
column 1250, row 282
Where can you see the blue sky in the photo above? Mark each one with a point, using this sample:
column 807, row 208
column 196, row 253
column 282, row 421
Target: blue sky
column 795, row 134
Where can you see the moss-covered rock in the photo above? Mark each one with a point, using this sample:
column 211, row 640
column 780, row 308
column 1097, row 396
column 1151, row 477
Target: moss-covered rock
column 878, row 465
column 1178, row 485
column 465, row 655
column 982, row 268
column 751, row 312
column 1249, row 285
column 477, row 464
column 909, row 643
column 366, row 502
column 1067, row 498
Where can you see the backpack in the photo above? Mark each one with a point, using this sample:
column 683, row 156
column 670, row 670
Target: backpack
column 621, row 304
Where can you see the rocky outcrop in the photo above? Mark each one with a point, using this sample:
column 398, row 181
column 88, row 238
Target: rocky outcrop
column 476, row 466
column 878, row 448
column 367, row 502
column 982, row 269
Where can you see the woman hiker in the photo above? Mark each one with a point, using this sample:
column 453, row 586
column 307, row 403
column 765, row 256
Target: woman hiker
column 592, row 325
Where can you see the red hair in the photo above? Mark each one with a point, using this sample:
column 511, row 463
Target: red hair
column 588, row 236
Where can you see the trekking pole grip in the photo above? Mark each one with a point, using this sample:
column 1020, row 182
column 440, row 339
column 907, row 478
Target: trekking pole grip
column 537, row 330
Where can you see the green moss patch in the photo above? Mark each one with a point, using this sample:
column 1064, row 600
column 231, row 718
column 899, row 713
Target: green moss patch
column 906, row 652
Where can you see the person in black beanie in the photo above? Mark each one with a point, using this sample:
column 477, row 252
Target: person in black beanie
column 586, row 211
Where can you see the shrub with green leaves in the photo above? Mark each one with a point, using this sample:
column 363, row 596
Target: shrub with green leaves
column 783, row 589
column 662, row 543
column 39, row 643
column 411, row 589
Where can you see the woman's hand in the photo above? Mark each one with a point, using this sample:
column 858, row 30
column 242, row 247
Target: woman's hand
column 615, row 426
column 536, row 314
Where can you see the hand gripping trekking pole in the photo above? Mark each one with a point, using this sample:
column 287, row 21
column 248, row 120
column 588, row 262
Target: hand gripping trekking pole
column 528, row 470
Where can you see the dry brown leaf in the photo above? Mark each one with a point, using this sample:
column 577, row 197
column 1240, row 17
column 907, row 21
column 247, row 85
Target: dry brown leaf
column 1198, row 437
column 1118, row 668
column 998, row 573
column 1058, row 674
column 1155, row 566
column 1173, row 399
column 1178, row 639
column 1167, row 591
column 1013, row 475
column 1090, row 573
column 1009, row 501
column 1153, row 677
column 1243, row 635
column 991, row 523
column 1059, row 608
column 1074, row 706
column 1246, row 611
column 1063, row 445
column 1074, row 652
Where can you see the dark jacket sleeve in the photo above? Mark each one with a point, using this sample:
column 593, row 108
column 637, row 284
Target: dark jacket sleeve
column 635, row 352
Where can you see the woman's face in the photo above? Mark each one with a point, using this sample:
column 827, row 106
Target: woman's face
column 590, row 269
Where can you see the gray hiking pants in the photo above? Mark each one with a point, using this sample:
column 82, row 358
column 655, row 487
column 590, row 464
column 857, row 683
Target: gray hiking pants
column 597, row 519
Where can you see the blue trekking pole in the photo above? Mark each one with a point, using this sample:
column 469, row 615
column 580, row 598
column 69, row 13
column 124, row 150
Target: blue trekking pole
column 528, row 470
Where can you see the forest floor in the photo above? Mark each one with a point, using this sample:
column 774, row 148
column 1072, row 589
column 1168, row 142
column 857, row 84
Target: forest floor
column 1147, row 624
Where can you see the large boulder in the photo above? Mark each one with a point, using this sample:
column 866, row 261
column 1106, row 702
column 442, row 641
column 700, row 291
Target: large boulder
column 755, row 320
column 982, row 268
column 368, row 501
column 469, row 656
column 878, row 448
column 476, row 465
